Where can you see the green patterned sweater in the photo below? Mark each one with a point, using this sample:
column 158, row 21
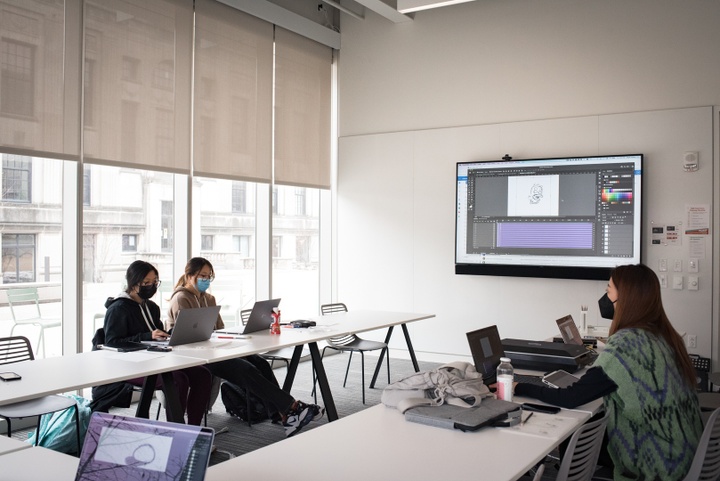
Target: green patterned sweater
column 654, row 424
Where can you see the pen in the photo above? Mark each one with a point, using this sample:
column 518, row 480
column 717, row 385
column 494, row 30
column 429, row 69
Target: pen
column 527, row 419
column 233, row 337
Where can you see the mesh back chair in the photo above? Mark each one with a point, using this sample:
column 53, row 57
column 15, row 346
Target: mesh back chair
column 706, row 463
column 25, row 309
column 16, row 349
column 580, row 459
column 353, row 343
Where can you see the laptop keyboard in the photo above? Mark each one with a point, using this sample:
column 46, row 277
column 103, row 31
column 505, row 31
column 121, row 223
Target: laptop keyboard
column 530, row 379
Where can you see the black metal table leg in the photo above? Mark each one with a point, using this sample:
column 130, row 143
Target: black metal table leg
column 382, row 355
column 292, row 368
column 330, row 408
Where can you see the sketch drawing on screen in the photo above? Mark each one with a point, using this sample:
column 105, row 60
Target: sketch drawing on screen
column 570, row 217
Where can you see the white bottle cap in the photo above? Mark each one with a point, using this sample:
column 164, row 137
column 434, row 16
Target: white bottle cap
column 504, row 359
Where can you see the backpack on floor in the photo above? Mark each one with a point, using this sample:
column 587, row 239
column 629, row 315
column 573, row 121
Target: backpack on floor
column 236, row 403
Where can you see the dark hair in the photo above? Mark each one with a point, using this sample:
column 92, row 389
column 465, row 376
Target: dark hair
column 136, row 273
column 192, row 268
column 639, row 305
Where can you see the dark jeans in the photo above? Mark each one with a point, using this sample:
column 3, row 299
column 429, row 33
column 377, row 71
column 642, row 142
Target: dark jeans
column 254, row 374
column 193, row 385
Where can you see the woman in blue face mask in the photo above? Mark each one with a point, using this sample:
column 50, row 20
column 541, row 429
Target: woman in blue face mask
column 191, row 290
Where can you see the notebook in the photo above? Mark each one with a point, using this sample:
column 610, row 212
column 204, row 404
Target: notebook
column 123, row 448
column 191, row 325
column 463, row 418
column 261, row 316
column 487, row 349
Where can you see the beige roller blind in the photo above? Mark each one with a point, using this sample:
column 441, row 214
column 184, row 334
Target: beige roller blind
column 137, row 72
column 302, row 110
column 35, row 75
column 233, row 94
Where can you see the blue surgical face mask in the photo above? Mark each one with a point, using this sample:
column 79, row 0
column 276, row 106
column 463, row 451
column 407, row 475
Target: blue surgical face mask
column 203, row 284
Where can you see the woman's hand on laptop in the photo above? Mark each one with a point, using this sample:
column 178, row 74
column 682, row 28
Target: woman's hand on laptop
column 159, row 335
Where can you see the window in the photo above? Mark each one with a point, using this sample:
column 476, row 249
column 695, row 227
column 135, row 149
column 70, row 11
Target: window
column 87, row 175
column 275, row 200
column 129, row 242
column 18, row 258
column 300, row 200
column 131, row 69
column 206, row 242
column 165, row 136
column 89, row 86
column 17, row 78
column 166, row 225
column 239, row 197
column 129, row 119
column 241, row 243
column 276, row 246
column 17, row 178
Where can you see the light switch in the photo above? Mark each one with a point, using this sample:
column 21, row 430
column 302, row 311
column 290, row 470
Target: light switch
column 663, row 281
column 677, row 265
column 678, row 283
column 692, row 265
column 662, row 265
column 693, row 283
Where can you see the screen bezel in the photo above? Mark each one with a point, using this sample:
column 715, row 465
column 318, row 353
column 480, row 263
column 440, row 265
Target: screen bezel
column 542, row 270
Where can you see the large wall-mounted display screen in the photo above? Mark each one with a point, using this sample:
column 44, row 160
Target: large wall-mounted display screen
column 572, row 217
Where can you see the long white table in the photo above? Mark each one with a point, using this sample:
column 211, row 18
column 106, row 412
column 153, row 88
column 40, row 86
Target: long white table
column 9, row 445
column 378, row 443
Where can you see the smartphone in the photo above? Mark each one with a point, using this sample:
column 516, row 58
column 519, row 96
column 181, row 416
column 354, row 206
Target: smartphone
column 560, row 379
column 10, row 376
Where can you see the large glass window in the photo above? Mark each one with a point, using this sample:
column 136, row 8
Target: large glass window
column 296, row 251
column 16, row 178
column 17, row 78
column 128, row 209
column 232, row 234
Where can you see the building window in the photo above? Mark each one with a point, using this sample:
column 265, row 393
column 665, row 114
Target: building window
column 87, row 175
column 275, row 200
column 18, row 258
column 166, row 225
column 239, row 197
column 131, row 69
column 206, row 242
column 129, row 242
column 163, row 76
column 17, row 178
column 300, row 200
column 276, row 246
column 17, row 78
column 242, row 245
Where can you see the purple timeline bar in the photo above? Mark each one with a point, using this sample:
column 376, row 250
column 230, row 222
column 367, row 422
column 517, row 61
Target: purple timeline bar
column 545, row 235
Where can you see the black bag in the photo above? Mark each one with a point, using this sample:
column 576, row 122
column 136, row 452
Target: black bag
column 237, row 403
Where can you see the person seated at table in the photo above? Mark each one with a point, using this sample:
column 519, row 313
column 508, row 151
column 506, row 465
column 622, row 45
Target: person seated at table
column 133, row 317
column 646, row 379
column 249, row 372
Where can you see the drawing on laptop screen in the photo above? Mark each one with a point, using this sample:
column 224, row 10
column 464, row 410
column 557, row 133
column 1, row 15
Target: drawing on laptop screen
column 569, row 331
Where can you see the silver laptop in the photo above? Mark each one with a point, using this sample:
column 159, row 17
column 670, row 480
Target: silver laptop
column 192, row 325
column 126, row 449
column 261, row 316
column 569, row 331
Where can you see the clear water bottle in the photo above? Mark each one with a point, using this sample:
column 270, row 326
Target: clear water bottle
column 505, row 377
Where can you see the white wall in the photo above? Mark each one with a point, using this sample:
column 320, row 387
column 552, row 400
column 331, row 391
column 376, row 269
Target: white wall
column 458, row 84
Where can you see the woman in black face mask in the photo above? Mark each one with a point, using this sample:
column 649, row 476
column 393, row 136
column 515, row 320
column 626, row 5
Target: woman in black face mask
column 133, row 317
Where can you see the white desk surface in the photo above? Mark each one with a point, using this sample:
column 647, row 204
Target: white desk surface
column 9, row 445
column 76, row 371
column 379, row 444
column 333, row 325
column 37, row 464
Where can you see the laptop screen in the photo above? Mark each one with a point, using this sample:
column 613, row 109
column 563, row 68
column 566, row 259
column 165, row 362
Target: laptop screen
column 486, row 349
column 125, row 448
column 569, row 331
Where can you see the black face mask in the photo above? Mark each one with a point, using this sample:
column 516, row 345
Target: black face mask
column 607, row 307
column 146, row 292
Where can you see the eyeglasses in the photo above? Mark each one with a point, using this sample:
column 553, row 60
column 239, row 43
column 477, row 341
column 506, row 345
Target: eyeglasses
column 156, row 283
column 206, row 278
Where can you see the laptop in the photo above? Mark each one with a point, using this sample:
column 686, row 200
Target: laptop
column 261, row 316
column 571, row 335
column 191, row 325
column 126, row 448
column 487, row 349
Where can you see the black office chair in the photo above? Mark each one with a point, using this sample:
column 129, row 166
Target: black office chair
column 352, row 343
column 17, row 349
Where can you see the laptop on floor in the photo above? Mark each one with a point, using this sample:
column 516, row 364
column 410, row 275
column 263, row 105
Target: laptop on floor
column 126, row 449
column 261, row 316
column 191, row 325
column 487, row 349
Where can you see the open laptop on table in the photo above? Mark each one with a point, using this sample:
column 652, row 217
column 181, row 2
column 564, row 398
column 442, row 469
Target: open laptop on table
column 487, row 349
column 126, row 448
column 191, row 325
column 260, row 318
column 571, row 335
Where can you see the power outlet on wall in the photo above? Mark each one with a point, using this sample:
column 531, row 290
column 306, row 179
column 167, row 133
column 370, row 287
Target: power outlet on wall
column 692, row 341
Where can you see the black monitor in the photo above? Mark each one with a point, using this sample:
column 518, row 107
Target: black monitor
column 569, row 217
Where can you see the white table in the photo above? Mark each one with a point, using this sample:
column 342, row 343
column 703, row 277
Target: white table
column 329, row 326
column 37, row 463
column 378, row 443
column 9, row 445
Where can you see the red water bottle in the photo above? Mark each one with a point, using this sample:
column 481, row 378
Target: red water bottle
column 275, row 326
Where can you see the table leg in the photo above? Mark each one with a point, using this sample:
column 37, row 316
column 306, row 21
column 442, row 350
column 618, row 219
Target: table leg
column 148, row 388
column 383, row 352
column 323, row 382
column 292, row 368
column 172, row 400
